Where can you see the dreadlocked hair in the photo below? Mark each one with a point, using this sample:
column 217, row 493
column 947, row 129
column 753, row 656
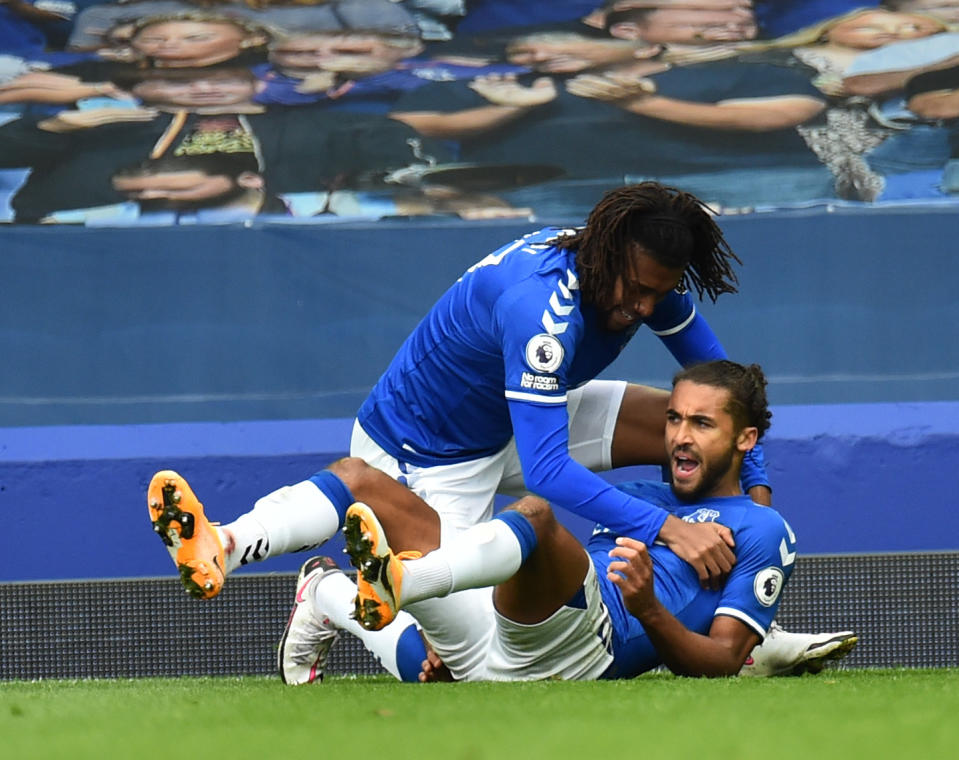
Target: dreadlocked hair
column 746, row 384
column 672, row 226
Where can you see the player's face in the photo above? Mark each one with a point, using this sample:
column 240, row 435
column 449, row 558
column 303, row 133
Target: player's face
column 636, row 294
column 877, row 28
column 702, row 442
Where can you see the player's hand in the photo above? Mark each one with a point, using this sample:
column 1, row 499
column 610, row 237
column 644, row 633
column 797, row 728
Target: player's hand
column 504, row 90
column 610, row 87
column 433, row 669
column 708, row 547
column 632, row 571
column 71, row 121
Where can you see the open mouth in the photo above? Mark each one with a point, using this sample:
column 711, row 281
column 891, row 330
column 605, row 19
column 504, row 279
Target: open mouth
column 684, row 465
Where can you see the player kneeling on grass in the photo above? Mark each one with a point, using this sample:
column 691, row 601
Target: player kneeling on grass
column 618, row 607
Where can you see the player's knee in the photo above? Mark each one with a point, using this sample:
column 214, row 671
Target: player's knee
column 354, row 472
column 538, row 512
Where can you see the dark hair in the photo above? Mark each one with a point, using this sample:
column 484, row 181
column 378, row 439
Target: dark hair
column 746, row 385
column 673, row 226
column 211, row 164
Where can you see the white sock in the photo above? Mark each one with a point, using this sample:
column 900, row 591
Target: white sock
column 483, row 555
column 334, row 595
column 249, row 542
column 292, row 518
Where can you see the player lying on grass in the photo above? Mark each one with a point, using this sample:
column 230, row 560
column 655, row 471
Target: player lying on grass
column 324, row 594
column 619, row 607
column 550, row 310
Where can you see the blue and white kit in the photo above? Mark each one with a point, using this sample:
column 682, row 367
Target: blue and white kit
column 594, row 636
column 765, row 556
column 493, row 362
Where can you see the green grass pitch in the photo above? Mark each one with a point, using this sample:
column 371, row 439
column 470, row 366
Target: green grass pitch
column 847, row 714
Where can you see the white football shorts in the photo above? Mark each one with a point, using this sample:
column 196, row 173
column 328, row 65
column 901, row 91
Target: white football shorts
column 571, row 644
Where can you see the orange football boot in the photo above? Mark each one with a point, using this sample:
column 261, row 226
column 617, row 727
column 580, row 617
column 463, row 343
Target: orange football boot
column 379, row 577
column 178, row 519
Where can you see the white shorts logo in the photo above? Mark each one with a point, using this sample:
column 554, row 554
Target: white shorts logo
column 544, row 353
column 767, row 585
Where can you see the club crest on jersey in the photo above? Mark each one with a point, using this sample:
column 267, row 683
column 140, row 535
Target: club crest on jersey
column 544, row 353
column 702, row 515
column 767, row 584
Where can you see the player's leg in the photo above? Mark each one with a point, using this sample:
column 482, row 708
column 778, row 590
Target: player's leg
column 783, row 653
column 573, row 643
column 322, row 608
column 292, row 518
column 639, row 434
column 551, row 574
column 324, row 602
column 457, row 626
column 407, row 519
column 550, row 620
column 537, row 562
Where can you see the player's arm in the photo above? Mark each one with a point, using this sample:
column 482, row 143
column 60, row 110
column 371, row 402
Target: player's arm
column 542, row 441
column 689, row 338
column 720, row 653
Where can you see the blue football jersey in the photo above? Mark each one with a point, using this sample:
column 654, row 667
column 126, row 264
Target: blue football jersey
column 494, row 359
column 765, row 556
column 512, row 328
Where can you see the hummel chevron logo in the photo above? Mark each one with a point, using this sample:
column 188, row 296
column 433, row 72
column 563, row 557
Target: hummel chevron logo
column 785, row 555
column 558, row 310
column 257, row 553
column 553, row 327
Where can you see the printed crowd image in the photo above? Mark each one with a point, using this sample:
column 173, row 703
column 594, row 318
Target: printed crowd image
column 160, row 112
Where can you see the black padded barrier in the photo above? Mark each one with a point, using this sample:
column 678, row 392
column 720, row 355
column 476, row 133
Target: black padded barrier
column 905, row 608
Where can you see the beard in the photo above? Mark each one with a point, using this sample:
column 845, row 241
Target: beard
column 711, row 476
